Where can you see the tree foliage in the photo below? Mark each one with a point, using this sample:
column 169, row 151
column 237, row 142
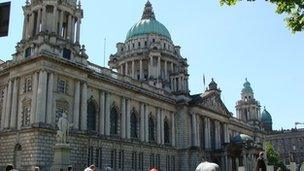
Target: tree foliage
column 273, row 157
column 293, row 9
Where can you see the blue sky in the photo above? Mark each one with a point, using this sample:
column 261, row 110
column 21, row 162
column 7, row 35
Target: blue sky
column 225, row 43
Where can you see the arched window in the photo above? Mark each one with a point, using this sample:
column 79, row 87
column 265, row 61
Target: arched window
column 134, row 124
column 166, row 131
column 91, row 118
column 114, row 121
column 151, row 128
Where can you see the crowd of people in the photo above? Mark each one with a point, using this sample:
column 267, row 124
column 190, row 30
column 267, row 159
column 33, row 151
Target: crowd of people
column 204, row 166
column 70, row 168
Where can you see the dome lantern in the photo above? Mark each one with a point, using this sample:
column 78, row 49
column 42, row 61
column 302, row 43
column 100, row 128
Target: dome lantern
column 148, row 25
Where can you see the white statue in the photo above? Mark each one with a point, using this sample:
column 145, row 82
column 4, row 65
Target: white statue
column 64, row 127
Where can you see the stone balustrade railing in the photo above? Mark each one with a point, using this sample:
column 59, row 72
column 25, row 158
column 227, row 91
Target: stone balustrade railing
column 105, row 71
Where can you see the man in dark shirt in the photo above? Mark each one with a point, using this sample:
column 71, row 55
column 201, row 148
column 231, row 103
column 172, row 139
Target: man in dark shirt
column 261, row 166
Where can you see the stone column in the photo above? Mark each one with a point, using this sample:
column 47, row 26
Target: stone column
column 133, row 69
column 150, row 64
column 8, row 104
column 24, row 25
column 194, row 137
column 207, row 132
column 55, row 22
column 162, row 126
column 3, row 117
column 218, row 134
column 141, row 75
column 121, row 69
column 50, row 115
column 69, row 28
column 84, row 98
column 198, row 132
column 166, row 70
column 226, row 133
column 158, row 126
column 146, row 124
column 128, row 124
column 34, row 98
column 41, row 97
column 76, row 105
column 38, row 21
column 78, row 30
column 31, row 25
column 61, row 23
column 158, row 67
column 108, row 111
column 43, row 19
column 73, row 29
column 142, row 122
column 123, row 118
column 173, row 128
column 102, row 112
column 127, row 68
column 14, row 110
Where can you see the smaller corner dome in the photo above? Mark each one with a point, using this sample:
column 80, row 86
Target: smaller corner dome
column 266, row 117
column 247, row 87
column 241, row 138
column 148, row 25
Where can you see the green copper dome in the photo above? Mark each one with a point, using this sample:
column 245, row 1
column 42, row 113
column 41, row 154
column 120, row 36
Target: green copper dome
column 148, row 25
column 266, row 117
column 241, row 138
column 247, row 87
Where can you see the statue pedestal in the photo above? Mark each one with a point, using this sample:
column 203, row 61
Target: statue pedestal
column 61, row 157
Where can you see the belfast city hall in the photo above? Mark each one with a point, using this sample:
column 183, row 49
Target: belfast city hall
column 135, row 115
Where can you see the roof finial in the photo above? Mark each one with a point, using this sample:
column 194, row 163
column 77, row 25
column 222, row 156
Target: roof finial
column 148, row 11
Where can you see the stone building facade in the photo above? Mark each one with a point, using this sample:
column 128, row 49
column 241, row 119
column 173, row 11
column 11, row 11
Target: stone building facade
column 289, row 144
column 136, row 115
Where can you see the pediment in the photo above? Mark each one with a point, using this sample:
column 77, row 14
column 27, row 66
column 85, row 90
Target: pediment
column 213, row 102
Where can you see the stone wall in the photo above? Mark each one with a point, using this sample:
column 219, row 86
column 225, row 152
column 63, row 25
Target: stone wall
column 37, row 150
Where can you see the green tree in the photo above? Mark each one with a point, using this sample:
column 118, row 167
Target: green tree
column 294, row 10
column 273, row 156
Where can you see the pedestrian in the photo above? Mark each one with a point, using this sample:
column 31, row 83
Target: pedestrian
column 70, row 168
column 9, row 167
column 91, row 168
column 154, row 169
column 261, row 166
column 279, row 169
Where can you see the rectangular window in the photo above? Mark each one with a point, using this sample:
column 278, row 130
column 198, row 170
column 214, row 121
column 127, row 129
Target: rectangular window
column 121, row 162
column 98, row 160
column 173, row 162
column 152, row 161
column 141, row 161
column 27, row 85
column 90, row 156
column 134, row 160
column 66, row 54
column 62, row 86
column 27, row 52
column 113, row 159
column 26, row 113
column 158, row 161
